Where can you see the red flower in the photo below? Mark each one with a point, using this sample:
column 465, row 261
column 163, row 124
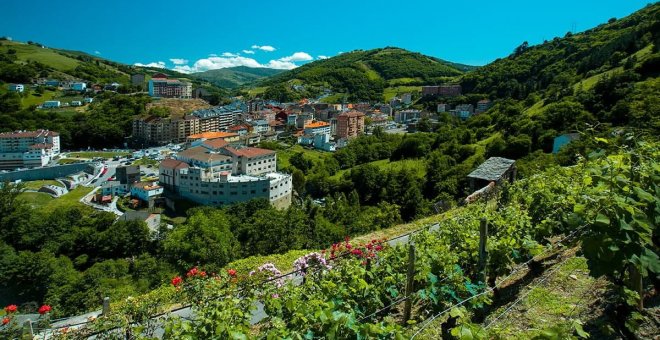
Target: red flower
column 5, row 320
column 176, row 281
column 346, row 238
column 356, row 252
column 349, row 246
column 44, row 309
column 379, row 247
column 202, row 274
column 192, row 272
column 11, row 308
column 231, row 272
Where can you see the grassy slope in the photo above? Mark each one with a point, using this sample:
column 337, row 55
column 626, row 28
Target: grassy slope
column 46, row 56
column 46, row 202
column 35, row 185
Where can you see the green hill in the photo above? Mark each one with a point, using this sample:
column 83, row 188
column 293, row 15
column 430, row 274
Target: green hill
column 551, row 67
column 233, row 77
column 362, row 75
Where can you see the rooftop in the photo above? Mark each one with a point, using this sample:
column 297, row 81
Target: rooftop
column 174, row 164
column 25, row 134
column 147, row 185
column 316, row 125
column 249, row 152
column 352, row 114
column 212, row 135
column 202, row 154
column 492, row 169
column 215, row 143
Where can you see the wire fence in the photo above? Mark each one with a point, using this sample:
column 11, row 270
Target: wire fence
column 520, row 267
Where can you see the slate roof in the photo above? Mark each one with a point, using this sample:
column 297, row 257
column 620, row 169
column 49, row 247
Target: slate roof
column 492, row 169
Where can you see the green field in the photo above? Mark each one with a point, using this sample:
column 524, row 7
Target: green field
column 257, row 91
column 48, row 203
column 333, row 98
column 391, row 92
column 35, row 185
column 94, row 154
column 46, row 56
column 283, row 156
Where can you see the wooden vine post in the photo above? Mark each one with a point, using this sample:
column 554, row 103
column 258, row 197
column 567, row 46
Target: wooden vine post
column 106, row 306
column 410, row 277
column 483, row 254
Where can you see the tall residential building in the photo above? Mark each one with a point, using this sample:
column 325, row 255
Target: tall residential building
column 160, row 86
column 225, row 175
column 350, row 124
column 28, row 148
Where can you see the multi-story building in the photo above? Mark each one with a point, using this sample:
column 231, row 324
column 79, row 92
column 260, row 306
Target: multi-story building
column 217, row 118
column 448, row 90
column 226, row 175
column 406, row 116
column 350, row 124
column 28, row 148
column 160, row 86
column 316, row 128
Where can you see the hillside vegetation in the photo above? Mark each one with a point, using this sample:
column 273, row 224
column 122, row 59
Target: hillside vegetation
column 362, row 75
column 234, row 77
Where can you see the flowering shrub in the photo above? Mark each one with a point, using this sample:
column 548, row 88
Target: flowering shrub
column 311, row 260
column 268, row 272
column 44, row 309
column 11, row 309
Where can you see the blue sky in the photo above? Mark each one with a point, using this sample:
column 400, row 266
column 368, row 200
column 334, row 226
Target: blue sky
column 199, row 35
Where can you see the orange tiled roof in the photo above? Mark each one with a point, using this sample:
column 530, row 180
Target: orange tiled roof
column 216, row 143
column 316, row 125
column 250, row 152
column 173, row 164
column 212, row 135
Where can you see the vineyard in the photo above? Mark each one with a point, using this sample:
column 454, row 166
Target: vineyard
column 446, row 280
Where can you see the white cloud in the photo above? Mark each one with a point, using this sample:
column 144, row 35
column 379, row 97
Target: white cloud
column 97, row 52
column 213, row 55
column 323, row 57
column 179, row 61
column 281, row 65
column 228, row 59
column 158, row 64
column 298, row 56
column 266, row 48
column 248, row 51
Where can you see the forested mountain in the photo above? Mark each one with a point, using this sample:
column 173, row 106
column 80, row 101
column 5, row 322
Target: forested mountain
column 233, row 77
column 363, row 75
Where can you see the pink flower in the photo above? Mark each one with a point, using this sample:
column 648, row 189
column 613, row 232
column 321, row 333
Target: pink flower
column 378, row 247
column 11, row 308
column 275, row 296
column 176, row 281
column 44, row 309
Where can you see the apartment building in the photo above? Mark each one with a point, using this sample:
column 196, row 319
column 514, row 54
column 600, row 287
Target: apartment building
column 350, row 124
column 162, row 87
column 28, row 149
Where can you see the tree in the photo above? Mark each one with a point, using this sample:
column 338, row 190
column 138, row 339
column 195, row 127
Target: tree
column 205, row 238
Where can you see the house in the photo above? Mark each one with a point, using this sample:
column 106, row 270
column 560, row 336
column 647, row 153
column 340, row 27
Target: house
column 51, row 104
column 483, row 105
column 260, row 126
column 276, row 126
column 16, row 87
column 442, row 107
column 128, row 174
column 113, row 188
column 146, row 191
column 78, row 86
column 316, row 128
column 241, row 130
column 406, row 98
column 152, row 220
column 76, row 103
column 494, row 169
column 88, row 100
column 52, row 82
column 561, row 141
column 199, row 137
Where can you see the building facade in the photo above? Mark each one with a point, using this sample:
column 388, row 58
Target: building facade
column 161, row 87
column 226, row 175
column 350, row 124
column 28, row 148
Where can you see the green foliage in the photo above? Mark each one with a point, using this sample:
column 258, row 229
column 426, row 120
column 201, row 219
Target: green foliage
column 234, row 77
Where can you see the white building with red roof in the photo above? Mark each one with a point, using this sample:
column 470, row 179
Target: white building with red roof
column 28, row 149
